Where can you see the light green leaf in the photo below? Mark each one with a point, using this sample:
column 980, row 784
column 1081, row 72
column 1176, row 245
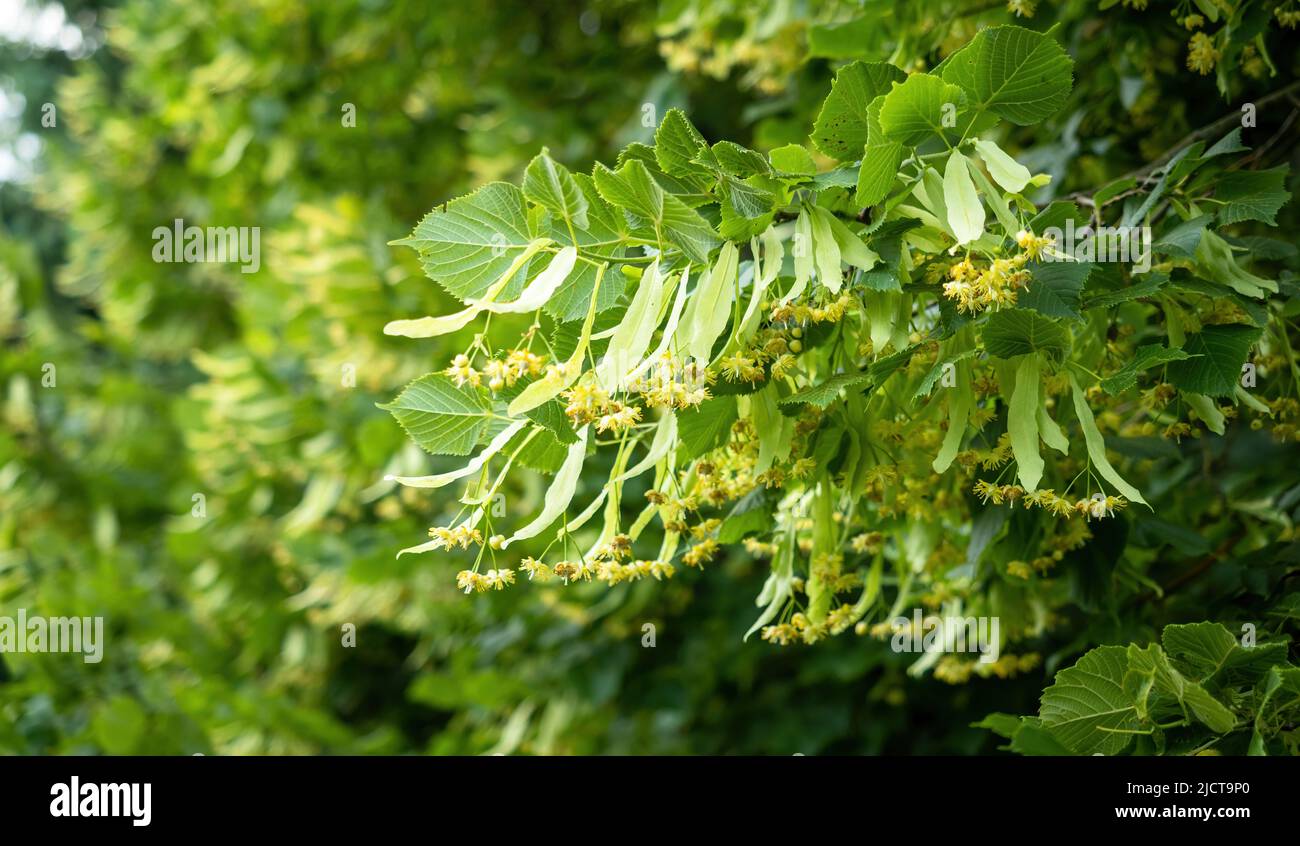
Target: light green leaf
column 1022, row 423
column 826, row 251
column 801, row 246
column 539, row 291
column 1051, row 433
column 914, row 110
column 1097, row 446
column 1206, row 410
column 1006, row 171
column 549, row 386
column 965, row 211
column 559, row 494
column 767, row 265
column 853, row 250
column 1214, row 258
column 632, row 187
column 632, row 336
column 551, row 186
column 960, row 400
column 709, row 308
column 774, row 429
column 880, row 160
column 793, row 159
column 476, row 464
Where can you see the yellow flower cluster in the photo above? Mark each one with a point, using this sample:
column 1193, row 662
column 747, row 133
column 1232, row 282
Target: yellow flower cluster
column 462, row 372
column 868, row 543
column 740, row 367
column 509, row 370
column 1092, row 508
column 472, row 582
column 1022, row 8
column 727, row 474
column 988, row 459
column 673, row 384
column 608, row 570
column 1201, row 53
column 955, row 670
column 995, row 286
column 1288, row 18
column 831, row 312
column 589, row 403
column 700, row 554
column 457, row 536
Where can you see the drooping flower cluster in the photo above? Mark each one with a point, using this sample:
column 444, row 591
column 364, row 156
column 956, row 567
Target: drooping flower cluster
column 975, row 289
column 455, row 536
column 589, row 403
column 1202, row 55
column 1095, row 507
column 672, row 383
column 500, row 373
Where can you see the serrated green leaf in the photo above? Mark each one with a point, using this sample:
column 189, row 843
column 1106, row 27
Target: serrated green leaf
column 550, row 185
column 1209, row 653
column 793, row 159
column 1183, row 239
column 632, row 187
column 470, row 244
column 1055, row 288
column 442, row 418
column 1252, row 194
column 880, row 159
column 824, row 393
column 1219, row 352
column 915, row 109
column 1014, row 332
column 1146, row 357
column 1021, row 75
column 1087, row 708
column 677, row 143
column 841, row 130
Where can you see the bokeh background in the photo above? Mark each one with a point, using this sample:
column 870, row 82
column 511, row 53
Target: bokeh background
column 180, row 385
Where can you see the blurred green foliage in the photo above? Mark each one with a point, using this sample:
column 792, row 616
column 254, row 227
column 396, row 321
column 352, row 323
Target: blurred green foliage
column 205, row 474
